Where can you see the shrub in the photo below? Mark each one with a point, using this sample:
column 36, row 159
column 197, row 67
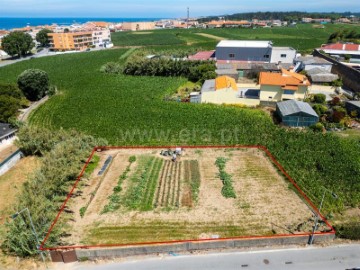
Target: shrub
column 34, row 83
column 320, row 109
column 319, row 98
column 111, row 68
column 318, row 127
column 335, row 101
column 338, row 114
column 82, row 211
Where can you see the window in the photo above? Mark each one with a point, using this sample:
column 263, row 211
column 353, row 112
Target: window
column 231, row 55
column 266, row 56
column 283, row 55
column 289, row 92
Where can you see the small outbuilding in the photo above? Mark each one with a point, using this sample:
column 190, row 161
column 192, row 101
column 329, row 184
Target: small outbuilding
column 7, row 133
column 295, row 113
column 352, row 106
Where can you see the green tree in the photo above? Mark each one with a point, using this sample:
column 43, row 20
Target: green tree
column 17, row 43
column 319, row 98
column 9, row 107
column 34, row 83
column 42, row 37
column 11, row 100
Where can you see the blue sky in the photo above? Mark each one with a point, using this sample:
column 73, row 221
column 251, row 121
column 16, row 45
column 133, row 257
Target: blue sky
column 162, row 8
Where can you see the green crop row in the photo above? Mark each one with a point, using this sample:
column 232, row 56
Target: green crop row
column 227, row 190
column 114, row 199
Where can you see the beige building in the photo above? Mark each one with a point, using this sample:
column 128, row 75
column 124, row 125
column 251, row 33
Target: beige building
column 283, row 86
column 224, row 90
column 70, row 41
column 138, row 26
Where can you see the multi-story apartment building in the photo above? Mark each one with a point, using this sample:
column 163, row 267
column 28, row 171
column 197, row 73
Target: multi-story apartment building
column 101, row 37
column 70, row 41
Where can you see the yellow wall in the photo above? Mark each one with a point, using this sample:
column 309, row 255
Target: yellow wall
column 276, row 93
column 273, row 91
column 301, row 93
column 227, row 96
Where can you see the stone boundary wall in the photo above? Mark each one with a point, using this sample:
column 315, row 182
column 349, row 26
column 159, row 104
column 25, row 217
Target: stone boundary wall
column 98, row 253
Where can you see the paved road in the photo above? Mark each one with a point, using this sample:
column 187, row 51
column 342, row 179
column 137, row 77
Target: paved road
column 43, row 53
column 335, row 257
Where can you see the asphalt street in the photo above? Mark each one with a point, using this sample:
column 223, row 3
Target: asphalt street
column 334, row 257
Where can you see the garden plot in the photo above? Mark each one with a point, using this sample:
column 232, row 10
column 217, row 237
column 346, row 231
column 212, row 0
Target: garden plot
column 146, row 197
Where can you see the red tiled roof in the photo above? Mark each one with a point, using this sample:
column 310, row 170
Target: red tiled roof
column 204, row 55
column 342, row 47
column 286, row 79
column 351, row 47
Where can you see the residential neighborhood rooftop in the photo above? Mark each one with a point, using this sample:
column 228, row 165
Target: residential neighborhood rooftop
column 244, row 43
column 311, row 60
column 223, row 82
column 285, row 79
column 5, row 130
column 341, row 47
column 290, row 107
column 203, row 55
column 321, row 75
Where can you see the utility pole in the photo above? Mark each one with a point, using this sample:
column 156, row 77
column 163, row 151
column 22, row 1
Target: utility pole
column 311, row 240
column 187, row 20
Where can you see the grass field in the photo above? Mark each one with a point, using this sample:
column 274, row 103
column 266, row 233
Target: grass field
column 303, row 37
column 155, row 204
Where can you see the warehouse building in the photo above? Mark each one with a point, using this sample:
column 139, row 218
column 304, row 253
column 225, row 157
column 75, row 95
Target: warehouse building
column 229, row 51
column 295, row 113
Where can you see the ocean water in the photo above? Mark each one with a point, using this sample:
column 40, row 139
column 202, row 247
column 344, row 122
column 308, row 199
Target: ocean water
column 10, row 23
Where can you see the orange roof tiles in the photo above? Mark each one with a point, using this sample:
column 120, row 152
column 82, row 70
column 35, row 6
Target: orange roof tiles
column 225, row 82
column 286, row 79
column 101, row 24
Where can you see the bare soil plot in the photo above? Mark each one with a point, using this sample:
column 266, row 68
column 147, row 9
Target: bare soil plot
column 163, row 200
column 211, row 36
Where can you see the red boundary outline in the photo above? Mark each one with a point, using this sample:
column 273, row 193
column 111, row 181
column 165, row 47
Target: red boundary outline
column 260, row 147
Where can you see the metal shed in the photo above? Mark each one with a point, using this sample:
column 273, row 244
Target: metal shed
column 295, row 113
column 353, row 106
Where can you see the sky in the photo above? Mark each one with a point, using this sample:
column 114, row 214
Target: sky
column 163, row 8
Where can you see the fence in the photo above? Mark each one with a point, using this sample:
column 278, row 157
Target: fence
column 114, row 250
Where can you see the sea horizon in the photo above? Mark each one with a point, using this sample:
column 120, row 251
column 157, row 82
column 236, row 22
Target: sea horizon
column 8, row 23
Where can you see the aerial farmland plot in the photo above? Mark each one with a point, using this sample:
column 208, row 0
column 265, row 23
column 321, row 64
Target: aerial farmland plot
column 142, row 196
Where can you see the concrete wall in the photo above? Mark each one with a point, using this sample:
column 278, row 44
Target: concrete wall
column 227, row 96
column 288, row 59
column 301, row 93
column 276, row 93
column 272, row 91
column 93, row 254
column 10, row 161
column 243, row 54
column 350, row 76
